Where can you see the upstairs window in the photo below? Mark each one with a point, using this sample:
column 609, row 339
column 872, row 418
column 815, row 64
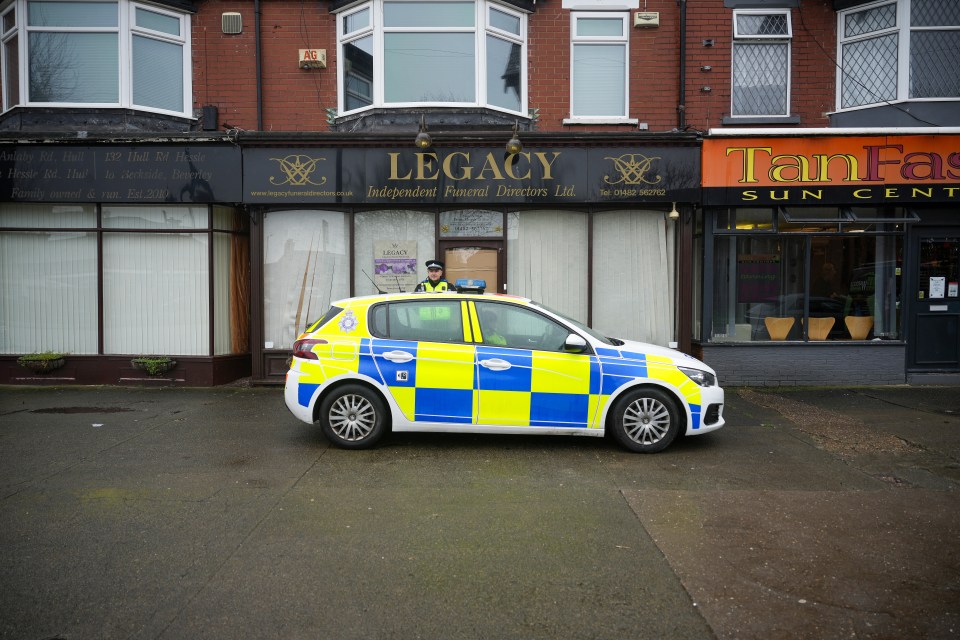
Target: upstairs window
column 96, row 54
column 896, row 51
column 761, row 64
column 599, row 83
column 402, row 53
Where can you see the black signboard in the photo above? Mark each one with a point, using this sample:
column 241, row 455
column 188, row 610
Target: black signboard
column 470, row 175
column 129, row 173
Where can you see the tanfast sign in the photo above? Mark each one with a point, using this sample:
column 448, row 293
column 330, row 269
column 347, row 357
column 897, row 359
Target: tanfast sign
column 831, row 170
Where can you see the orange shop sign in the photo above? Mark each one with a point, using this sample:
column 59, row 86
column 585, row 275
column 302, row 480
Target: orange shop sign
column 831, row 170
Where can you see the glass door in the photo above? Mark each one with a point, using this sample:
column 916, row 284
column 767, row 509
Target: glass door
column 935, row 339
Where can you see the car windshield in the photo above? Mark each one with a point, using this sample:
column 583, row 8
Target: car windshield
column 579, row 325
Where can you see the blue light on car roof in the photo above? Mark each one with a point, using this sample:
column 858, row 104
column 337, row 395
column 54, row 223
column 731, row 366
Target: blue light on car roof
column 467, row 285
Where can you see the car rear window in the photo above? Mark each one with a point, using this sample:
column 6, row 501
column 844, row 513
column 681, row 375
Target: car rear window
column 324, row 319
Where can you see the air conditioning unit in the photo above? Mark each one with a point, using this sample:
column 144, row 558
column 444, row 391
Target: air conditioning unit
column 231, row 22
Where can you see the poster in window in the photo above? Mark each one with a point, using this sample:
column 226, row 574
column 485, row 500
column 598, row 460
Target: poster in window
column 758, row 277
column 938, row 285
column 395, row 265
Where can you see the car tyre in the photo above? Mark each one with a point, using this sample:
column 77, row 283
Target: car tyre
column 646, row 420
column 353, row 417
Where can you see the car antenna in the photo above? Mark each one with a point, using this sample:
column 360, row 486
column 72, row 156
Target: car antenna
column 379, row 290
column 399, row 287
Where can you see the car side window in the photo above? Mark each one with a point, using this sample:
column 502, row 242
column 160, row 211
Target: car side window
column 425, row 321
column 507, row 325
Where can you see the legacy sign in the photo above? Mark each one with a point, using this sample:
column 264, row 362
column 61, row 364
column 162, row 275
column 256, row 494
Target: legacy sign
column 470, row 175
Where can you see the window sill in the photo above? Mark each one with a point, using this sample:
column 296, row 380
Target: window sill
column 575, row 121
column 735, row 120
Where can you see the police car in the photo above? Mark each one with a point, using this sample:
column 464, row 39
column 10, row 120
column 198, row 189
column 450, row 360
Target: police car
column 490, row 363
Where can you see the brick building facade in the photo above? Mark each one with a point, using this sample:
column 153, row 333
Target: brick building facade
column 176, row 182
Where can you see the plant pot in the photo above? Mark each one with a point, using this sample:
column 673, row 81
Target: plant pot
column 42, row 366
column 153, row 366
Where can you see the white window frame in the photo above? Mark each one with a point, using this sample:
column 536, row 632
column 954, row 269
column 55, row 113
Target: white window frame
column 778, row 38
column 624, row 41
column 126, row 30
column 482, row 29
column 904, row 30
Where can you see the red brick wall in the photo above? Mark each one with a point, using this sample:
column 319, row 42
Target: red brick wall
column 296, row 100
column 813, row 52
column 224, row 66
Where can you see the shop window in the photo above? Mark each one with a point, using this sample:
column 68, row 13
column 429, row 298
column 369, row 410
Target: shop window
column 390, row 249
column 154, row 277
column 894, row 51
column 48, row 279
column 599, row 81
column 435, row 53
column 546, row 254
column 825, row 283
column 761, row 63
column 633, row 276
column 96, row 54
column 305, row 268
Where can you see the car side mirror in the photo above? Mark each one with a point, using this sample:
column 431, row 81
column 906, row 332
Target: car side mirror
column 574, row 344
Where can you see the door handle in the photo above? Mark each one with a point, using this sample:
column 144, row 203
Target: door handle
column 495, row 364
column 398, row 356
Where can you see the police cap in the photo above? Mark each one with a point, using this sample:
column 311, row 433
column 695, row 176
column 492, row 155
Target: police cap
column 434, row 264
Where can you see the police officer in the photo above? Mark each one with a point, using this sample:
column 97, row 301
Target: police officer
column 435, row 282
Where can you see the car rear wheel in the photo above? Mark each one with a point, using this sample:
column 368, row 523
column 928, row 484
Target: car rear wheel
column 646, row 420
column 353, row 417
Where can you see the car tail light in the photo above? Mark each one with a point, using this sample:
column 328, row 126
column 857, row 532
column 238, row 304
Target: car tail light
column 304, row 348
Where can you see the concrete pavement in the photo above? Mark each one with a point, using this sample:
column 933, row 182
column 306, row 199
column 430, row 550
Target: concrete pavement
column 212, row 513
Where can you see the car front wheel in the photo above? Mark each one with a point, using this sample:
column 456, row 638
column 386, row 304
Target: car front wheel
column 646, row 420
column 353, row 417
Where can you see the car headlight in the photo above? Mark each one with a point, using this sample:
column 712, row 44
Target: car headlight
column 702, row 378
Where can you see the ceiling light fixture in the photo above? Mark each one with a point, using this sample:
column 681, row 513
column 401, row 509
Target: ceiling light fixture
column 674, row 214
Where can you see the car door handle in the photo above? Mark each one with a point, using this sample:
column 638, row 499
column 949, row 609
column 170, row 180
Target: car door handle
column 398, row 356
column 495, row 364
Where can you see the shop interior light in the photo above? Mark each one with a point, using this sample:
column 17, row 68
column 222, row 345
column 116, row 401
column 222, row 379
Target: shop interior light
column 514, row 146
column 423, row 140
column 674, row 214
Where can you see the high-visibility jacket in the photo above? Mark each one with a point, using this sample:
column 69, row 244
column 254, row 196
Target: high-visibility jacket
column 429, row 287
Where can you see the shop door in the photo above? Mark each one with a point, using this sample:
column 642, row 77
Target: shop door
column 935, row 328
column 473, row 262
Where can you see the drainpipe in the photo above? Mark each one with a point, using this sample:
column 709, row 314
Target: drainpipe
column 682, row 104
column 256, row 21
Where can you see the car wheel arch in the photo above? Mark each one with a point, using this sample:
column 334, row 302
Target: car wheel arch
column 367, row 384
column 683, row 410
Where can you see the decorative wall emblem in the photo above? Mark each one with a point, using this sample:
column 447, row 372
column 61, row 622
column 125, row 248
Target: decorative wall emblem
column 298, row 169
column 632, row 169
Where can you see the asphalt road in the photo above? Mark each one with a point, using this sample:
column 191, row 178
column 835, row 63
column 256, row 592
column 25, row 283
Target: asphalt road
column 212, row 513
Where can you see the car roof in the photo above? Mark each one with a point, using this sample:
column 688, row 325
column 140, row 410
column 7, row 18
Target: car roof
column 452, row 295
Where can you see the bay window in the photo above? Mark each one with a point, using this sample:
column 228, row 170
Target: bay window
column 81, row 53
column 401, row 53
column 898, row 50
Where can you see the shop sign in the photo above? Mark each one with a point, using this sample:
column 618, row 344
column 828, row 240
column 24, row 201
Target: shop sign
column 128, row 174
column 830, row 170
column 473, row 175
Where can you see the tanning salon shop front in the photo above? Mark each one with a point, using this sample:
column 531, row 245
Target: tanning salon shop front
column 831, row 257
